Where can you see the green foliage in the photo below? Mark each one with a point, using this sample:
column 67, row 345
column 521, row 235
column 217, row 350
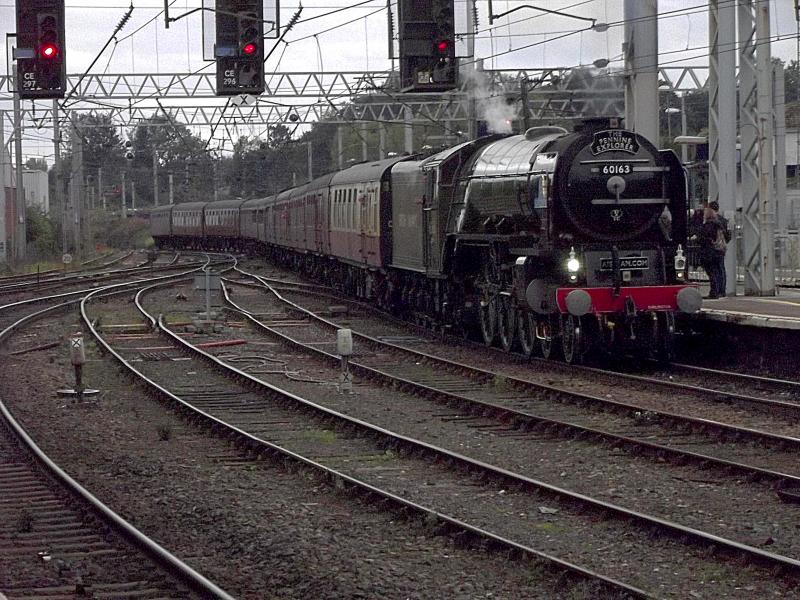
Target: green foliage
column 41, row 232
column 36, row 164
column 178, row 151
column 791, row 75
column 116, row 232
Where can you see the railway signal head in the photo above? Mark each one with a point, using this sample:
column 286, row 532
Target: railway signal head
column 427, row 47
column 239, row 48
column 41, row 66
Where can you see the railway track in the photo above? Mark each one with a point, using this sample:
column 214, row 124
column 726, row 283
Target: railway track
column 571, row 407
column 10, row 311
column 96, row 275
column 237, row 409
column 58, row 541
column 51, row 275
column 725, row 387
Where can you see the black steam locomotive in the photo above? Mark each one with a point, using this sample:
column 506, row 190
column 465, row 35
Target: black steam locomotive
column 550, row 242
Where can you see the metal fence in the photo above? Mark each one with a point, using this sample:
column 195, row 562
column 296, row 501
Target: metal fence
column 787, row 259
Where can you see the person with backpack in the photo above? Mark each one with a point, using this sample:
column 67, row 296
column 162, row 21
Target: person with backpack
column 722, row 246
column 712, row 251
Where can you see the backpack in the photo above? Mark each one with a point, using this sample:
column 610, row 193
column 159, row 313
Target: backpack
column 725, row 231
column 720, row 243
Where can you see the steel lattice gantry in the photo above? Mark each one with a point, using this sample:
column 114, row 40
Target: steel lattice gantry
column 756, row 135
column 722, row 120
column 344, row 97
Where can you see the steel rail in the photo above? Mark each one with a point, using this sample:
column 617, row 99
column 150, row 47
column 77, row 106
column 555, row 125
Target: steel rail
column 256, row 444
column 77, row 277
column 793, row 385
column 710, row 394
column 552, row 391
column 390, row 438
column 175, row 567
column 519, row 418
column 25, row 276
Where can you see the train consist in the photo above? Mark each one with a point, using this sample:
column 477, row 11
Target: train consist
column 550, row 242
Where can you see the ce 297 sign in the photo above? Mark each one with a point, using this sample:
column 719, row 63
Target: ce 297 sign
column 29, row 80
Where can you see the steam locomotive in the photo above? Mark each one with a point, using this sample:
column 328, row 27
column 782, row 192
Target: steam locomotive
column 548, row 242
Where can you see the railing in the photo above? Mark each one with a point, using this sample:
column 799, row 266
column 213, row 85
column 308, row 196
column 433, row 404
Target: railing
column 787, row 260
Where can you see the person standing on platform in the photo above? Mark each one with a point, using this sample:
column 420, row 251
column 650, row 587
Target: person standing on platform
column 712, row 252
column 719, row 255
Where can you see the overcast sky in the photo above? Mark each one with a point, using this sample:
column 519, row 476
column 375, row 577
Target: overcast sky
column 355, row 39
column 362, row 44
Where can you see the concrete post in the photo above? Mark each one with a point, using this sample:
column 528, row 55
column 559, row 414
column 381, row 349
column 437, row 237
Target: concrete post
column 641, row 68
column 124, row 197
column 20, row 240
column 155, row 178
column 408, row 129
column 310, row 157
column 100, row 187
column 722, row 123
column 3, row 241
column 339, row 147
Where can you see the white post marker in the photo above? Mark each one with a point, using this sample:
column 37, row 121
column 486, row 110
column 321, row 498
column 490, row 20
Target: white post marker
column 344, row 348
column 77, row 356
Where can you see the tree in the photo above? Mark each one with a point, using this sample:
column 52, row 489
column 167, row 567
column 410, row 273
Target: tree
column 791, row 75
column 102, row 148
column 178, row 151
column 36, row 164
column 41, row 232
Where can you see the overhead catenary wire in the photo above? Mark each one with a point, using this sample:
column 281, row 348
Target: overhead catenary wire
column 117, row 29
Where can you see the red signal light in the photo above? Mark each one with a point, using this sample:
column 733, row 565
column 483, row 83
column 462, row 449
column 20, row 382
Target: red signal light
column 249, row 49
column 443, row 46
column 48, row 51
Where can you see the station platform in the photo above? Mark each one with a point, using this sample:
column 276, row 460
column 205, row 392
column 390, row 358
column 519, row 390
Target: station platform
column 781, row 311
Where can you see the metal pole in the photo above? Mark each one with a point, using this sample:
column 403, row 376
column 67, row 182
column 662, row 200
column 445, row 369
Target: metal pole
column 171, row 190
column 214, row 177
column 641, row 67
column 364, row 148
column 155, row 178
column 76, row 189
column 310, row 156
column 766, row 140
column 100, row 187
column 684, row 147
column 59, row 172
column 779, row 99
column 722, row 125
column 208, row 296
column 339, row 142
column 523, row 97
column 133, row 197
column 408, row 115
column 3, row 241
column 19, row 225
column 124, row 196
column 471, row 69
column 382, row 140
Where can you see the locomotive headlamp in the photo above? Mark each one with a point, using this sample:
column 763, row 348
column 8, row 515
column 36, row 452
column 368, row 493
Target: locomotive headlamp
column 573, row 264
column 680, row 262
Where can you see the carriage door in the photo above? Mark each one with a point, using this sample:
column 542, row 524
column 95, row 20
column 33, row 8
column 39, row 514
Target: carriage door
column 363, row 208
column 430, row 223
